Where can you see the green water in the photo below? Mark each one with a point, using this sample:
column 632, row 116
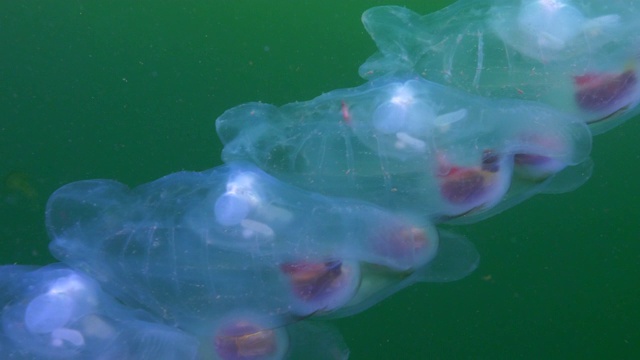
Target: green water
column 130, row 91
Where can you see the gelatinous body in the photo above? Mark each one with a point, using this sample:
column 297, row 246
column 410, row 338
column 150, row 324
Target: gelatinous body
column 408, row 145
column 578, row 56
column 193, row 247
column 55, row 312
column 58, row 313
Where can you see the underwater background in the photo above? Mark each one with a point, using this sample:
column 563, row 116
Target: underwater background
column 130, row 91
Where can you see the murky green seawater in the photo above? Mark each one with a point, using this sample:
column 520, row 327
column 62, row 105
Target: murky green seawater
column 130, row 91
